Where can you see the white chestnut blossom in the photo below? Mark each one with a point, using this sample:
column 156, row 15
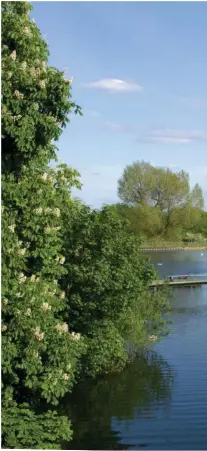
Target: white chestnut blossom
column 32, row 72
column 12, row 227
column 68, row 367
column 38, row 334
column 16, row 118
column 42, row 84
column 153, row 337
column 61, row 328
column 33, row 278
column 62, row 295
column 62, row 261
column 9, row 75
column 28, row 312
column 75, row 336
column 43, row 66
column 3, row 328
column 22, row 278
column 46, row 306
column 21, row 251
column 57, row 212
column 23, row 65
column 51, row 229
column 65, row 377
column 13, row 55
column 18, row 94
column 39, row 210
column 44, row 176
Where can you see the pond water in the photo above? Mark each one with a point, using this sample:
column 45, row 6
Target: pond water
column 160, row 401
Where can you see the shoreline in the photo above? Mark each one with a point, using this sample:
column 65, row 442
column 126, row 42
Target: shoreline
column 174, row 249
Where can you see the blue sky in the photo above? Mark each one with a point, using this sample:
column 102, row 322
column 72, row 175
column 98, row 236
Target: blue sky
column 139, row 72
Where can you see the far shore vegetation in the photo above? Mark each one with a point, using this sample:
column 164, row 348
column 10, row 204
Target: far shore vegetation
column 161, row 208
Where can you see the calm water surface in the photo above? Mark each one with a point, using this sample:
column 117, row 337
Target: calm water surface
column 159, row 402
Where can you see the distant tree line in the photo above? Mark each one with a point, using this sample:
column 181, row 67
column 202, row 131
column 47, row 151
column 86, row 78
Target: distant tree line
column 159, row 203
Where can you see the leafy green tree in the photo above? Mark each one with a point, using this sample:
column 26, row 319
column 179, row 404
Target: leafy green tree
column 23, row 428
column 39, row 350
column 201, row 225
column 107, row 288
column 136, row 183
column 163, row 198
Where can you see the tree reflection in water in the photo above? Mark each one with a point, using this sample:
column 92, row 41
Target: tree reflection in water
column 139, row 389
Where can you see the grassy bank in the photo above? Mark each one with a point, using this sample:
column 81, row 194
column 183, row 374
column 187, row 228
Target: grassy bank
column 156, row 245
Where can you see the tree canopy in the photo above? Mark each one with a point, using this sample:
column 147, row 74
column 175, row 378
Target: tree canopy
column 161, row 197
column 39, row 353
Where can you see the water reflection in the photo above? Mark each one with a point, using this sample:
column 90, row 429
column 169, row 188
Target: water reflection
column 136, row 392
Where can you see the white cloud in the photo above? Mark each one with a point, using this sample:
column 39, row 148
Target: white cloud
column 165, row 136
column 174, row 136
column 169, row 139
column 114, row 85
column 116, row 127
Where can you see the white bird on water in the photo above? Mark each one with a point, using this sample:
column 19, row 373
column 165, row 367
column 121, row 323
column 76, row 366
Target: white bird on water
column 159, row 264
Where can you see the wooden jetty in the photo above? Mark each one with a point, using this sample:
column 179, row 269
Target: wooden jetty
column 172, row 249
column 178, row 283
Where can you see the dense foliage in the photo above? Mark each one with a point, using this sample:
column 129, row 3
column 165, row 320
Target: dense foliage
column 159, row 202
column 107, row 286
column 75, row 288
column 39, row 351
